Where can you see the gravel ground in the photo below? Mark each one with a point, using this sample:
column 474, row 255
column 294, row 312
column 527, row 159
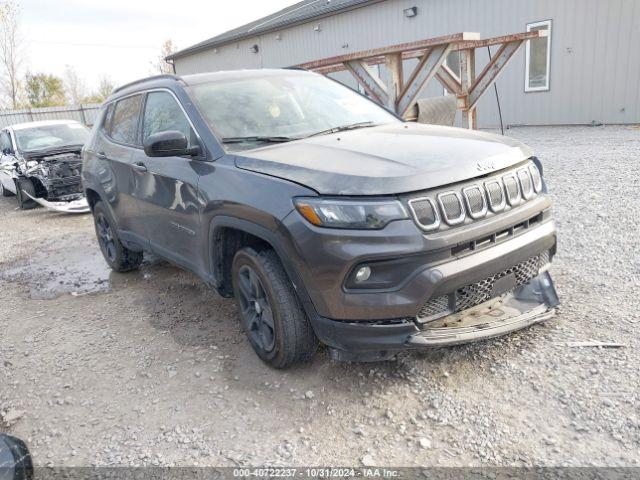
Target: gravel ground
column 151, row 367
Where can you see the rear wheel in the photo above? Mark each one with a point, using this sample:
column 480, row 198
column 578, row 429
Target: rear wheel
column 119, row 257
column 277, row 326
column 25, row 185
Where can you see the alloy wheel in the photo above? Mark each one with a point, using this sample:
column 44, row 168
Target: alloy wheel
column 256, row 311
column 105, row 237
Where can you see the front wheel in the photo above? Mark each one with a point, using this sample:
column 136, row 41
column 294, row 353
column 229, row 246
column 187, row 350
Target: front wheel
column 25, row 185
column 119, row 257
column 277, row 326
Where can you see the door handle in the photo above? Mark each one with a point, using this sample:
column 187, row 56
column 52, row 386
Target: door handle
column 102, row 156
column 139, row 167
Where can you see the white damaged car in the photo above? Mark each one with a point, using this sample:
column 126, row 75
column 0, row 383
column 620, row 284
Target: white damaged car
column 41, row 163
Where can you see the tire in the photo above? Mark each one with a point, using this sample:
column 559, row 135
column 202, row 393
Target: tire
column 25, row 202
column 119, row 257
column 277, row 326
column 5, row 192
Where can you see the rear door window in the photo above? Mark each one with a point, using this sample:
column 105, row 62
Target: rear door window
column 126, row 116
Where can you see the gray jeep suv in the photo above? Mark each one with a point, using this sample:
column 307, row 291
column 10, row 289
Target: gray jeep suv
column 327, row 217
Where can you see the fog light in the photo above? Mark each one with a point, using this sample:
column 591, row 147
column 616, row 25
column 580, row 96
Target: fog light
column 363, row 274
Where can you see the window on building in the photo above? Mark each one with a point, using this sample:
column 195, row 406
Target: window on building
column 538, row 58
column 124, row 126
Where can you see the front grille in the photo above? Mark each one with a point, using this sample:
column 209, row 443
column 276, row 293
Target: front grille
column 452, row 207
column 476, row 199
column 476, row 202
column 482, row 291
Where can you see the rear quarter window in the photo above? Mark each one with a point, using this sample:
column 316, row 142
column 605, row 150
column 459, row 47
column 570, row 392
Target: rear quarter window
column 126, row 115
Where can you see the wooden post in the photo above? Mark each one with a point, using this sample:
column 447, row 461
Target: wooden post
column 393, row 62
column 467, row 79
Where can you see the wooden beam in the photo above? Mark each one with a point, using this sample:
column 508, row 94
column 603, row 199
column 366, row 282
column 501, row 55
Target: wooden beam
column 393, row 63
column 467, row 79
column 423, row 73
column 369, row 80
column 449, row 80
column 492, row 70
column 416, row 50
column 399, row 48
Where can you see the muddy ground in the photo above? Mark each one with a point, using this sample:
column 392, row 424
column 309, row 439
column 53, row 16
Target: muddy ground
column 151, row 367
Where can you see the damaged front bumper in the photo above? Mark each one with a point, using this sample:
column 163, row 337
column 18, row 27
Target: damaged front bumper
column 528, row 304
column 79, row 205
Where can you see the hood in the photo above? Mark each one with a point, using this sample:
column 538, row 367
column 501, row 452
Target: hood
column 60, row 153
column 384, row 160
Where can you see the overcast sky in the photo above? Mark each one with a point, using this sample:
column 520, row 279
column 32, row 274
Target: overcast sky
column 121, row 38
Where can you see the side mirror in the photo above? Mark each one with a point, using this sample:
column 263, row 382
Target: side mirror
column 170, row 143
column 7, row 151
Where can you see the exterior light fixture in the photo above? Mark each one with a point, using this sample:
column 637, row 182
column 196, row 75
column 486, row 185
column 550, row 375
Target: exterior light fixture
column 254, row 48
column 278, row 37
column 363, row 274
column 410, row 12
column 317, row 28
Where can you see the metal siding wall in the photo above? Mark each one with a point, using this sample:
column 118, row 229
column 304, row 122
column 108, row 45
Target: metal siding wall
column 595, row 65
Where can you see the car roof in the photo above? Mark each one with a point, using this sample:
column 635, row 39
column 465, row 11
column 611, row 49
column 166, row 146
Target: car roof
column 160, row 81
column 41, row 123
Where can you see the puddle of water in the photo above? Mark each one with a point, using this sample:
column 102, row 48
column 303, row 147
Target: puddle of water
column 77, row 270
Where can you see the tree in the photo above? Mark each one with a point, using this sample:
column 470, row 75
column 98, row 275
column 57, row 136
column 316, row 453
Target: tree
column 74, row 86
column 105, row 87
column 161, row 65
column 11, row 51
column 44, row 90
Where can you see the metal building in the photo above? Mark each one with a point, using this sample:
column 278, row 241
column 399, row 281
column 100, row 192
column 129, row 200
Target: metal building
column 586, row 70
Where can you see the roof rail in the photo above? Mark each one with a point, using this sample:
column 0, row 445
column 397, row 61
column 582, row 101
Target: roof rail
column 168, row 76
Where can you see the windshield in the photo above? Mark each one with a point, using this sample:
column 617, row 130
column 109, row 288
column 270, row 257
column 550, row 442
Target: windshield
column 282, row 107
column 47, row 137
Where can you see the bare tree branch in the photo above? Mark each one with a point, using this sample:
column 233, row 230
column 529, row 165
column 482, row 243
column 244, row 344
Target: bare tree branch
column 11, row 52
column 161, row 65
column 75, row 87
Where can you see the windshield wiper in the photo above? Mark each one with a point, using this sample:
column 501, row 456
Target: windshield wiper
column 258, row 138
column 342, row 128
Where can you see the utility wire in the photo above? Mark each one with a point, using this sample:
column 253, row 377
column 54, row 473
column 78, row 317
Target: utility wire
column 100, row 45
column 495, row 87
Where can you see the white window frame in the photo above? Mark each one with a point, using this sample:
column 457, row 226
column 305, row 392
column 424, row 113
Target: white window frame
column 527, row 54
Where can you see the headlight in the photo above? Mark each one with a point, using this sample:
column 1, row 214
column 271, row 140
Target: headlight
column 354, row 214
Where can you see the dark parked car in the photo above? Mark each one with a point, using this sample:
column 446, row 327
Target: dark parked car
column 328, row 218
column 40, row 162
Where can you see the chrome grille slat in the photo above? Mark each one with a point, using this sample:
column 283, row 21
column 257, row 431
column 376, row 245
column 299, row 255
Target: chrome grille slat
column 495, row 193
column 536, row 177
column 512, row 188
column 452, row 207
column 476, row 202
column 526, row 184
column 425, row 213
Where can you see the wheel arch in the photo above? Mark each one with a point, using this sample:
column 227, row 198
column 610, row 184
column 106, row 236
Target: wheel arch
column 228, row 234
